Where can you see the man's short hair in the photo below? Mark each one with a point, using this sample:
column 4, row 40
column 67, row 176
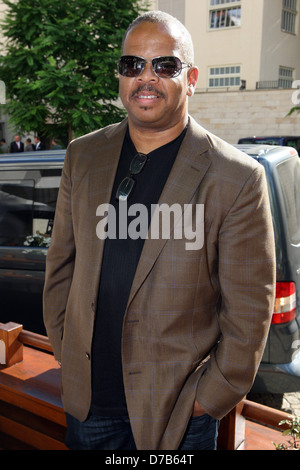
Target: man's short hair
column 172, row 23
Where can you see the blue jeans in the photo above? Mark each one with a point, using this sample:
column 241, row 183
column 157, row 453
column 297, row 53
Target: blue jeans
column 101, row 433
column 201, row 434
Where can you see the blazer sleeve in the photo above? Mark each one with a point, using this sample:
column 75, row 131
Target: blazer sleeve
column 59, row 263
column 247, row 283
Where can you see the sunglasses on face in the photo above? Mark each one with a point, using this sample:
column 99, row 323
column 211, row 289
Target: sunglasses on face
column 164, row 67
column 126, row 186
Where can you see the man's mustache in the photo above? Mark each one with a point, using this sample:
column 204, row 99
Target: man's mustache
column 149, row 88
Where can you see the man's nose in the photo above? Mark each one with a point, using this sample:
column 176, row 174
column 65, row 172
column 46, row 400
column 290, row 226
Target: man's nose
column 148, row 74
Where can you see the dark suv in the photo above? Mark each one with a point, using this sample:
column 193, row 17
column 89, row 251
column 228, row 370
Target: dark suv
column 279, row 370
column 28, row 192
column 29, row 185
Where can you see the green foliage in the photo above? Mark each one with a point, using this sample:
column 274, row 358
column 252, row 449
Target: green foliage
column 59, row 65
column 295, row 109
column 293, row 430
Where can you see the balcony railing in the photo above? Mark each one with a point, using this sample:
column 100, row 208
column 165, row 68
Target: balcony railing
column 268, row 84
column 274, row 84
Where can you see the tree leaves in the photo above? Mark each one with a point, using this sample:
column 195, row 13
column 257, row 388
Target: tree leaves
column 60, row 63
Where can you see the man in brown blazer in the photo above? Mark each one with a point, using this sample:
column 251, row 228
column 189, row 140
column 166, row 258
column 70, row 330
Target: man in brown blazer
column 158, row 337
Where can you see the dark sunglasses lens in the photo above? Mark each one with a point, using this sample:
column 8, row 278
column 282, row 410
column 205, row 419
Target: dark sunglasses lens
column 130, row 66
column 137, row 164
column 125, row 188
column 167, row 67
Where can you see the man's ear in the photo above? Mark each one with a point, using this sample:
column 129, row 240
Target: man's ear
column 192, row 77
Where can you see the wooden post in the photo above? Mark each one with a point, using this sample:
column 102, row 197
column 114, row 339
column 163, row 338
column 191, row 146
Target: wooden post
column 232, row 430
column 11, row 349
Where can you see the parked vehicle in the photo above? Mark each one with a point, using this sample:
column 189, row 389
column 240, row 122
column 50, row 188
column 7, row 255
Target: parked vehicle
column 286, row 141
column 28, row 192
column 279, row 370
column 29, row 185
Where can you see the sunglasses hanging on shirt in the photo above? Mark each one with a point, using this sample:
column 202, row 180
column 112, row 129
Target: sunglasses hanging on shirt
column 126, row 186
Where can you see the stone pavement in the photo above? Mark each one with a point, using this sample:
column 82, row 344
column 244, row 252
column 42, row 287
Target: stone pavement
column 291, row 403
column 288, row 402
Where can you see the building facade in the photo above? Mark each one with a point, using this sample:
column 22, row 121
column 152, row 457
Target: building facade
column 241, row 43
column 248, row 54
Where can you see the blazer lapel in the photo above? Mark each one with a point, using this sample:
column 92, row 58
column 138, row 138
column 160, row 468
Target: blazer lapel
column 187, row 173
column 101, row 180
column 106, row 157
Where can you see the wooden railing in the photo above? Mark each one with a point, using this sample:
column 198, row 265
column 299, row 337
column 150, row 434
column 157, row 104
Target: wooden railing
column 252, row 426
column 31, row 412
column 37, row 341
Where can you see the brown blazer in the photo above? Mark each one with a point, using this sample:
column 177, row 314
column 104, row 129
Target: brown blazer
column 196, row 321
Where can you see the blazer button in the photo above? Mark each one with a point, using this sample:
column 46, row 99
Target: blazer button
column 87, row 356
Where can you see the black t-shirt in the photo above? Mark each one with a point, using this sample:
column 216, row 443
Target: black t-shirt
column 120, row 259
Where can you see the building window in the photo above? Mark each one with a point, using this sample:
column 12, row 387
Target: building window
column 226, row 17
column 286, row 77
column 222, row 2
column 227, row 76
column 27, row 202
column 289, row 16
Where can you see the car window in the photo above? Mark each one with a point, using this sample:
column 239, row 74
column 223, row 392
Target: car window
column 246, row 141
column 268, row 141
column 27, row 206
column 293, row 143
column 289, row 177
